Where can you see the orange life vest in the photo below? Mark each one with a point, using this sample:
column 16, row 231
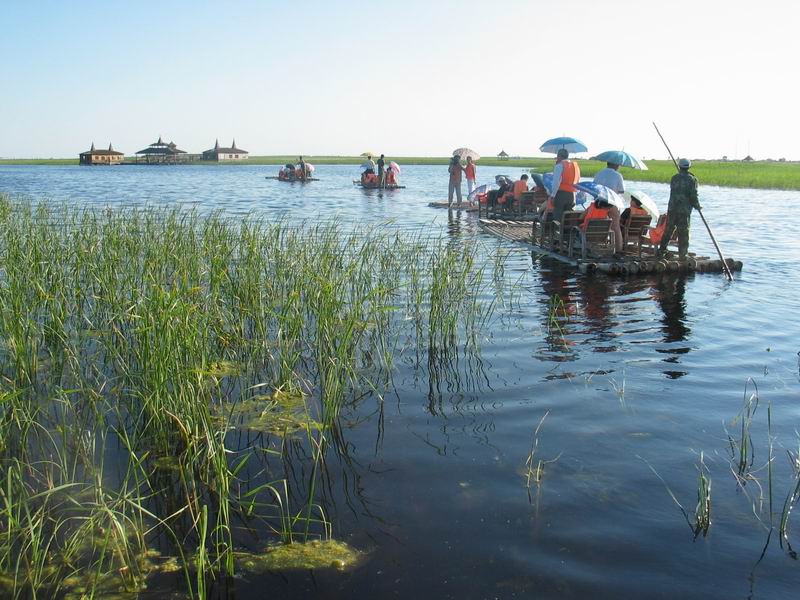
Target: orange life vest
column 519, row 187
column 636, row 211
column 390, row 178
column 371, row 179
column 282, row 174
column 570, row 175
column 593, row 213
column 657, row 233
column 470, row 171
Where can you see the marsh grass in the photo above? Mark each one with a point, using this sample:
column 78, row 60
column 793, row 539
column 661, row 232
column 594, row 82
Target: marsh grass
column 159, row 372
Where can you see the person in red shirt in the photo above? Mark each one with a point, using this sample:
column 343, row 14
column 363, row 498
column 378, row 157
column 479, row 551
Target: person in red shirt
column 470, row 173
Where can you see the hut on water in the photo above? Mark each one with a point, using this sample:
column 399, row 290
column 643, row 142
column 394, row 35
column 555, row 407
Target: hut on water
column 93, row 156
column 161, row 152
column 503, row 155
column 219, row 153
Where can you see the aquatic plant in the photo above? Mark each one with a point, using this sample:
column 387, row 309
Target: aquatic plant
column 158, row 368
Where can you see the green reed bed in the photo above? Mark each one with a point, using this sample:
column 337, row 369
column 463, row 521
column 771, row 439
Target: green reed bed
column 170, row 385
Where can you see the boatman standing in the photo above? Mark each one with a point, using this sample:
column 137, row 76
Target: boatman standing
column 682, row 199
column 565, row 175
column 381, row 171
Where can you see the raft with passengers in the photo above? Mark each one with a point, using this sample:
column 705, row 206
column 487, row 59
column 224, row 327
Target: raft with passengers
column 301, row 172
column 378, row 175
column 604, row 234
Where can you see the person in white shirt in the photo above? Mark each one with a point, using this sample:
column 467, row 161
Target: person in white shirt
column 611, row 178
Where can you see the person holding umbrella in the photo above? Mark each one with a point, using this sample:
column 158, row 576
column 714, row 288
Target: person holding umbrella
column 682, row 199
column 565, row 175
column 302, row 168
column 455, row 169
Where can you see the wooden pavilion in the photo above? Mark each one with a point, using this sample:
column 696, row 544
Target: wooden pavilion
column 219, row 153
column 160, row 153
column 93, row 156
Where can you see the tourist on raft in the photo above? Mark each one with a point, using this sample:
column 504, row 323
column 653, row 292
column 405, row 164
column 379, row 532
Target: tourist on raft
column 520, row 187
column 369, row 178
column 471, row 174
column 682, row 199
column 634, row 210
column 456, row 170
column 601, row 209
column 287, row 173
column 390, row 177
column 565, row 175
column 611, row 178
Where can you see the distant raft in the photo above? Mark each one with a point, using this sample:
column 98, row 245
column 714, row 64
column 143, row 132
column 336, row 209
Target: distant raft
column 377, row 186
column 597, row 257
column 291, row 180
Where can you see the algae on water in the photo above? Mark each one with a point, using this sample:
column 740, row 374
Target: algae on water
column 280, row 413
column 316, row 554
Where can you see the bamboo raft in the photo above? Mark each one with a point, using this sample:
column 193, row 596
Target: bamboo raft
column 379, row 187
column 292, row 180
column 466, row 206
column 628, row 264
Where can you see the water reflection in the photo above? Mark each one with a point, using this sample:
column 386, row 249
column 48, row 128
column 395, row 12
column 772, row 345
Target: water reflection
column 669, row 293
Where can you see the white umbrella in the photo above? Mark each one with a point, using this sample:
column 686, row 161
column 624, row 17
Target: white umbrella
column 393, row 166
column 481, row 189
column 463, row 153
column 647, row 203
column 309, row 167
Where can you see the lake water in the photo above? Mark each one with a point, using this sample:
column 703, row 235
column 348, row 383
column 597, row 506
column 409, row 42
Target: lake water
column 647, row 372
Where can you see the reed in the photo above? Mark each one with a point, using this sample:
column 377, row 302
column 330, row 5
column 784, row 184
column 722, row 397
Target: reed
column 137, row 346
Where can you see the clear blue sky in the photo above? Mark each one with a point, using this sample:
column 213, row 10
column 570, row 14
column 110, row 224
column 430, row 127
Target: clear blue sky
column 404, row 78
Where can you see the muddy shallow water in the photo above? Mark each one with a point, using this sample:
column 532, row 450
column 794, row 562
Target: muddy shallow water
column 643, row 375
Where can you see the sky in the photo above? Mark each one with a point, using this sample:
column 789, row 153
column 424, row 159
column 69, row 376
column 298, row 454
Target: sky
column 410, row 78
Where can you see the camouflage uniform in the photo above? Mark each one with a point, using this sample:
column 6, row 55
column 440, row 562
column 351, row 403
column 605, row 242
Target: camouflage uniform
column 682, row 199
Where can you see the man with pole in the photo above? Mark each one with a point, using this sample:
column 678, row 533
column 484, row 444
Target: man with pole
column 668, row 232
column 682, row 199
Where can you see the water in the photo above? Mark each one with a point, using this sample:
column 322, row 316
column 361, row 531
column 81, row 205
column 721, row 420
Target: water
column 647, row 371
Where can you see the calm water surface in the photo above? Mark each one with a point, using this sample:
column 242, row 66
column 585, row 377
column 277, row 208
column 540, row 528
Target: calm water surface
column 647, row 369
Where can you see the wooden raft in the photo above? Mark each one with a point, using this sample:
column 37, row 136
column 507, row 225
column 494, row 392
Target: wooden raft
column 379, row 187
column 291, row 180
column 628, row 264
column 466, row 206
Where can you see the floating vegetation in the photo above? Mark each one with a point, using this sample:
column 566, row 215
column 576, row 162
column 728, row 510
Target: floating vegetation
column 281, row 413
column 134, row 347
column 314, row 554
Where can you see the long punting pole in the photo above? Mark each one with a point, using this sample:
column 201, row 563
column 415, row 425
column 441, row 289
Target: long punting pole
column 725, row 266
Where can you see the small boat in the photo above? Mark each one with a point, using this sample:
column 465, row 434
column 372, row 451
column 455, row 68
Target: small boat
column 466, row 206
column 597, row 256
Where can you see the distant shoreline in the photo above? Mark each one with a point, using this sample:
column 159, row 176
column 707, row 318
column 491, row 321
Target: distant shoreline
column 755, row 174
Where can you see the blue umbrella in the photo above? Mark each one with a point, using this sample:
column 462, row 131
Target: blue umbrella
column 601, row 192
column 621, row 158
column 568, row 143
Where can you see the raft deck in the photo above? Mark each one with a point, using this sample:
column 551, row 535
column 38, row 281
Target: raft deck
column 466, row 206
column 292, row 180
column 629, row 264
column 379, row 187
